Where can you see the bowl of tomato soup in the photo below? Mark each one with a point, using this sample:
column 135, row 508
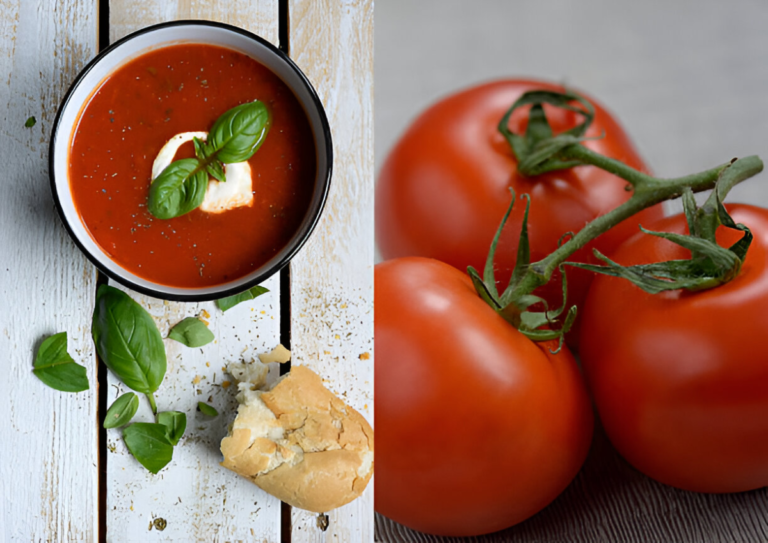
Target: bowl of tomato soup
column 143, row 106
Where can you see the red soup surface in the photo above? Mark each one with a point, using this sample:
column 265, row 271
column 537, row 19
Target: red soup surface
column 135, row 111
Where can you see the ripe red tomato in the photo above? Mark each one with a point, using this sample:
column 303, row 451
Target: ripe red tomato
column 445, row 186
column 680, row 379
column 477, row 427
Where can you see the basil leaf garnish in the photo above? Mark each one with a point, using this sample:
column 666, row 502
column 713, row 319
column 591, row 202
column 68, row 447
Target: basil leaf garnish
column 121, row 411
column 175, row 423
column 128, row 341
column 179, row 189
column 56, row 368
column 200, row 151
column 231, row 301
column 238, row 134
column 192, row 332
column 206, row 409
column 216, row 169
column 149, row 444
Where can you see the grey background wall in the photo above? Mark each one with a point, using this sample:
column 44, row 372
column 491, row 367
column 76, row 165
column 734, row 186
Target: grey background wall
column 688, row 79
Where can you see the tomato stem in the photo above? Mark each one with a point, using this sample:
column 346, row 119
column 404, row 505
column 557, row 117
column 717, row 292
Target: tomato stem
column 647, row 191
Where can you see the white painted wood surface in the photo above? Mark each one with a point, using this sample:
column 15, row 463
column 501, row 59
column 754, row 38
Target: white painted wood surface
column 332, row 278
column 49, row 456
column 198, row 499
column 48, row 449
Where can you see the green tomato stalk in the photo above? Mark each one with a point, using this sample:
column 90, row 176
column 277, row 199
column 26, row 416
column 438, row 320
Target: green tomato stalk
column 540, row 151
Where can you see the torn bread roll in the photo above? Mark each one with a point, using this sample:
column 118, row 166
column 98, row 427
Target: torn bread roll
column 297, row 440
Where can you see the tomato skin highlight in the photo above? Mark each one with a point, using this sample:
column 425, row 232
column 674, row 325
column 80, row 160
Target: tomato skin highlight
column 680, row 379
column 444, row 187
column 477, row 427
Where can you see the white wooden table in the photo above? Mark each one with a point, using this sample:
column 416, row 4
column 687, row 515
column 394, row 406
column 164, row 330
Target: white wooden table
column 61, row 477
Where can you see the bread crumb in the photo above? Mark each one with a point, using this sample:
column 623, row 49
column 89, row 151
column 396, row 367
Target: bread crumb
column 279, row 354
column 225, row 384
column 337, row 336
column 205, row 314
column 196, row 380
column 207, row 364
column 365, row 356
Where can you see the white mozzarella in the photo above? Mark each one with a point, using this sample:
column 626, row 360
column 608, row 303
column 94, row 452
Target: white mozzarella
column 237, row 191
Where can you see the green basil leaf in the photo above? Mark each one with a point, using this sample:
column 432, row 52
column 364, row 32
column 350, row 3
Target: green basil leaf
column 55, row 368
column 149, row 444
column 238, row 134
column 121, row 411
column 206, row 409
column 179, row 189
column 175, row 423
column 128, row 341
column 231, row 301
column 192, row 332
column 200, row 149
column 30, row 122
column 216, row 170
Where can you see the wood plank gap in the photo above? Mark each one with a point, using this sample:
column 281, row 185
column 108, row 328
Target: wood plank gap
column 284, row 28
column 283, row 40
column 101, row 409
column 102, row 42
column 103, row 23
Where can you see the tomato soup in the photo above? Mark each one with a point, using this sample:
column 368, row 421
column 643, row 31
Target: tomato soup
column 130, row 117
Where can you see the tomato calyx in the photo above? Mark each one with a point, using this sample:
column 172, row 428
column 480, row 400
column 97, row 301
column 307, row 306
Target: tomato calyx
column 709, row 266
column 538, row 151
column 516, row 308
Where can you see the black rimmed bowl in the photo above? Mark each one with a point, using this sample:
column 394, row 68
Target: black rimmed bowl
column 149, row 39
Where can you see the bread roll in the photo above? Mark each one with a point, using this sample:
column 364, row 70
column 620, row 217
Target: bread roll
column 298, row 441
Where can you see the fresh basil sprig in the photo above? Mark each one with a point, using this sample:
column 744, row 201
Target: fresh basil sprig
column 56, row 368
column 234, row 137
column 175, row 423
column 121, row 411
column 128, row 341
column 231, row 301
column 149, row 444
column 191, row 332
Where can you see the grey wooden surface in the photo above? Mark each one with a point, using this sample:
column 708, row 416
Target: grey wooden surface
column 689, row 81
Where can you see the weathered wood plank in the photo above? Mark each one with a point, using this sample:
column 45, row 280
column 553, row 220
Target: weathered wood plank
column 332, row 278
column 199, row 500
column 49, row 448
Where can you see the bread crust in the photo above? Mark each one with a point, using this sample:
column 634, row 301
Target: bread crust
column 301, row 443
